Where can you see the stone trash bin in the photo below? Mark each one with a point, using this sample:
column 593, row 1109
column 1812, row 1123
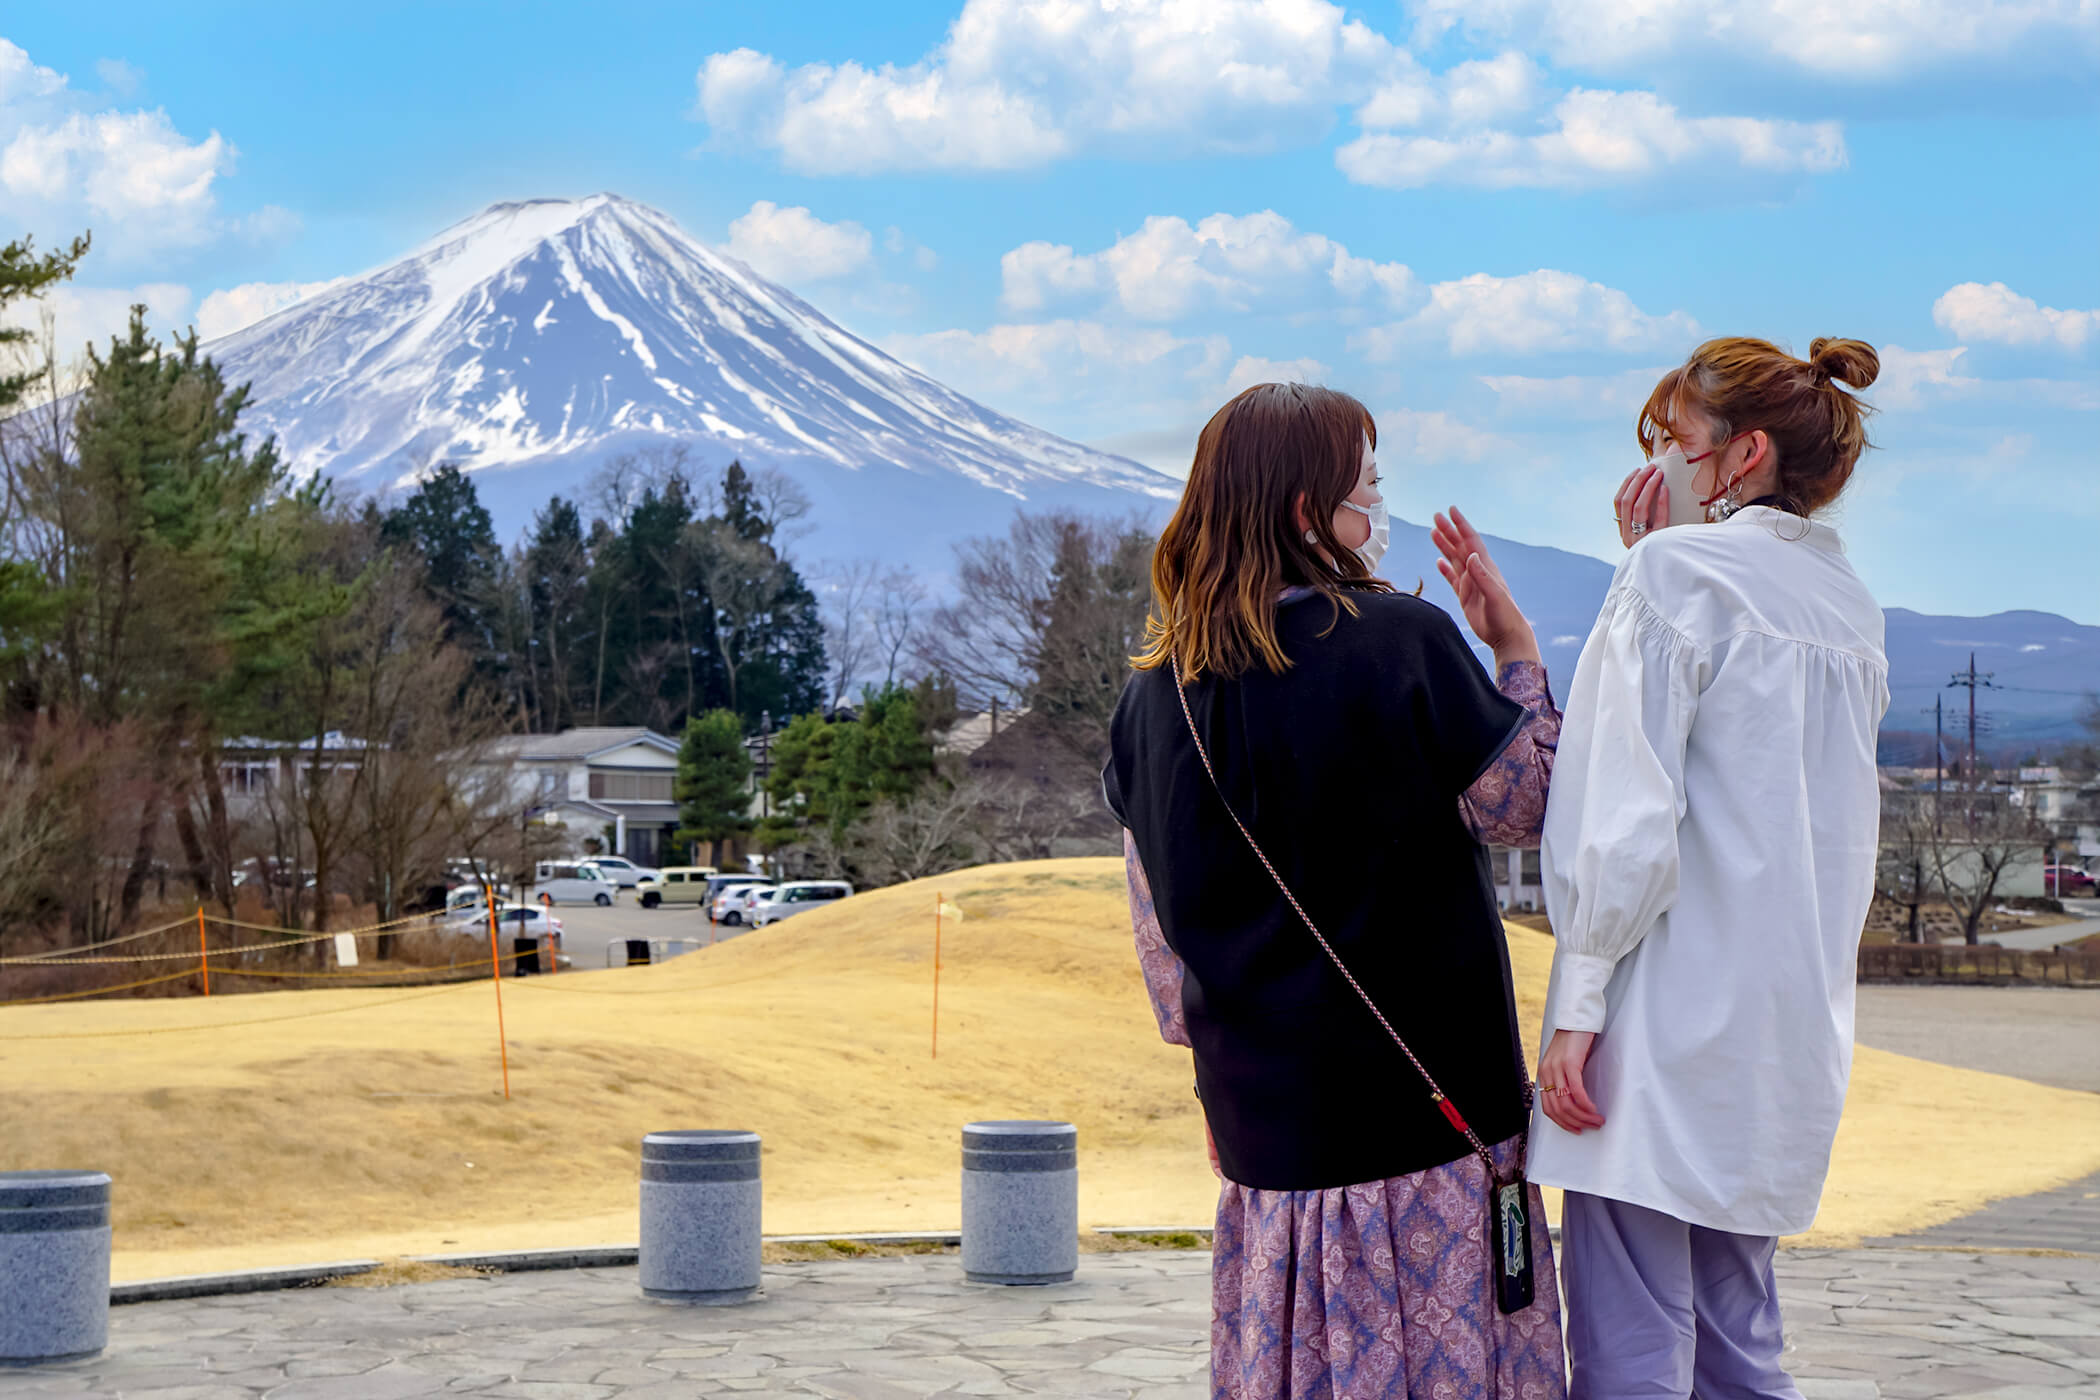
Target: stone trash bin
column 54, row 1265
column 700, row 1216
column 1020, row 1202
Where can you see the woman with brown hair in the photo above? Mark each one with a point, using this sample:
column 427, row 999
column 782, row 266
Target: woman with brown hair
column 1709, row 859
column 1306, row 763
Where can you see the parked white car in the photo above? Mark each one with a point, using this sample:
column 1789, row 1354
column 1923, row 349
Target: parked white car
column 513, row 920
column 622, row 871
column 798, row 898
column 733, row 906
column 560, row 882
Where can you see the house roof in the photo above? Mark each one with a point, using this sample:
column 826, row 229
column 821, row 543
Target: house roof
column 573, row 744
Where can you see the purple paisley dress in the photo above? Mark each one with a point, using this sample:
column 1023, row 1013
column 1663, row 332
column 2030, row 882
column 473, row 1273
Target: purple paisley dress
column 1381, row 1289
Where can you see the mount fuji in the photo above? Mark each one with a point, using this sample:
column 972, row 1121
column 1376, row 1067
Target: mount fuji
column 535, row 340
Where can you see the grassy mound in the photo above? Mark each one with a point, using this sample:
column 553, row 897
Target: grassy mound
column 297, row 1126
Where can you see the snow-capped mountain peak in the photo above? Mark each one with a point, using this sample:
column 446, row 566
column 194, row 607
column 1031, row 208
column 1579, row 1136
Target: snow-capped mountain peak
column 559, row 331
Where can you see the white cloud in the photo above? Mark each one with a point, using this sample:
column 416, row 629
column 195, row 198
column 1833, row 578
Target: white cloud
column 1225, row 262
column 1999, row 315
column 1250, row 370
column 233, row 308
column 1056, row 359
column 83, row 316
column 1908, row 377
column 1018, row 83
column 793, row 245
column 1534, row 313
column 1021, row 83
column 1593, row 397
column 1588, row 139
column 1838, row 41
column 1412, row 435
column 131, row 175
column 119, row 77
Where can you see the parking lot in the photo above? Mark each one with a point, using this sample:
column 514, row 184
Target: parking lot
column 587, row 931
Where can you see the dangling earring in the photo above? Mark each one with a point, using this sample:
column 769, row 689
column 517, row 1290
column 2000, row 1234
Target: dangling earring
column 1729, row 504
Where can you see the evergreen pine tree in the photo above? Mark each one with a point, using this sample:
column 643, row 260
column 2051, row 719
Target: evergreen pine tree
column 713, row 784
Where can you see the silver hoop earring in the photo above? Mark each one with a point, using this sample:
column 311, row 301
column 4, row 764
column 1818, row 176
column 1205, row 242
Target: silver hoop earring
column 1729, row 504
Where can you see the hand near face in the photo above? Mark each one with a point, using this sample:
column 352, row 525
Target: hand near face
column 1642, row 504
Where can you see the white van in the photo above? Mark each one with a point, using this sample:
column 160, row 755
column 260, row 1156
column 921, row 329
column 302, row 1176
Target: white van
column 559, row 882
column 798, row 898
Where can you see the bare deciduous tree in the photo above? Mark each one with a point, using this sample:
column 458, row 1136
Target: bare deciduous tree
column 1048, row 617
column 900, row 599
column 930, row 832
column 846, row 592
column 1903, row 864
column 1976, row 836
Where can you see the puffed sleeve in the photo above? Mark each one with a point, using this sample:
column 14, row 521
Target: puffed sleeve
column 1609, row 861
column 1163, row 970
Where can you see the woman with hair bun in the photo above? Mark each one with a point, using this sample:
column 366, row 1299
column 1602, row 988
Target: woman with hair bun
column 1708, row 862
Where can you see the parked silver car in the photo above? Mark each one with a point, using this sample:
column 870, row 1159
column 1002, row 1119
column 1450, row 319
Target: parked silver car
column 734, row 905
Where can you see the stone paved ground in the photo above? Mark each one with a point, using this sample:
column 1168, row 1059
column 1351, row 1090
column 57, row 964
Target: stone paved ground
column 1904, row 1323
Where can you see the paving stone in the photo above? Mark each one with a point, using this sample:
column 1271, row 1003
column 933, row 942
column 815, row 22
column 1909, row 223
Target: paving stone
column 1873, row 1324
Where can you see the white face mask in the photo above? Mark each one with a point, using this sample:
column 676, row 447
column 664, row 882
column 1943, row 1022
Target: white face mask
column 1373, row 549
column 1686, row 508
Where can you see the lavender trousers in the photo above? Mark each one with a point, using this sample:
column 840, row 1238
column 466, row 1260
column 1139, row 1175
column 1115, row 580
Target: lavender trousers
column 1661, row 1310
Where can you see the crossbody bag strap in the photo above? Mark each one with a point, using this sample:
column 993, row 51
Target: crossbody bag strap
column 1443, row 1103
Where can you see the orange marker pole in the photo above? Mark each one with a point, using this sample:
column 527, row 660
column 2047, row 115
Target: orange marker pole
column 936, row 974
column 203, row 958
column 496, row 975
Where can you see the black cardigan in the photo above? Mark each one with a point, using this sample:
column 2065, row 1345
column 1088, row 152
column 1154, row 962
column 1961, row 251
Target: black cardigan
column 1348, row 768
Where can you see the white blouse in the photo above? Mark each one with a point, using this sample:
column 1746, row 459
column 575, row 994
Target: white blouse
column 1708, row 861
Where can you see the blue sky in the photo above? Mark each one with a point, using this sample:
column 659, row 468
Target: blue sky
column 1494, row 221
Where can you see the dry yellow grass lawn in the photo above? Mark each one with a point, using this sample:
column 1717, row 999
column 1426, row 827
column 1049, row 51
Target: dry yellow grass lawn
column 304, row 1126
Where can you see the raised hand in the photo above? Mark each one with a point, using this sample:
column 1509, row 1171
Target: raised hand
column 1483, row 595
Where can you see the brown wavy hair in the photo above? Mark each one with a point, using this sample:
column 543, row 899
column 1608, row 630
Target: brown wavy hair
column 1234, row 544
column 1740, row 384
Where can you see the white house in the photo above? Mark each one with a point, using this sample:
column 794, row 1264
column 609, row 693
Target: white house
column 611, row 784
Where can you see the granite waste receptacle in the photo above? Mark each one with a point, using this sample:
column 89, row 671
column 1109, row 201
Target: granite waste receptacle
column 1020, row 1202
column 54, row 1265
column 700, row 1216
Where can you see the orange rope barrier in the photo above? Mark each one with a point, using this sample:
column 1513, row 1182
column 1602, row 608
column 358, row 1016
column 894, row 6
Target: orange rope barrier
column 252, row 1021
column 100, row 943
column 203, row 958
column 97, row 991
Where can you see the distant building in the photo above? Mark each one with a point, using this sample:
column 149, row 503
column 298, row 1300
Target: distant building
column 610, row 784
column 250, row 769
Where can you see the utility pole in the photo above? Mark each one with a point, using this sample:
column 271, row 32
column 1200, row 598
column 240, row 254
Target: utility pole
column 1972, row 681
